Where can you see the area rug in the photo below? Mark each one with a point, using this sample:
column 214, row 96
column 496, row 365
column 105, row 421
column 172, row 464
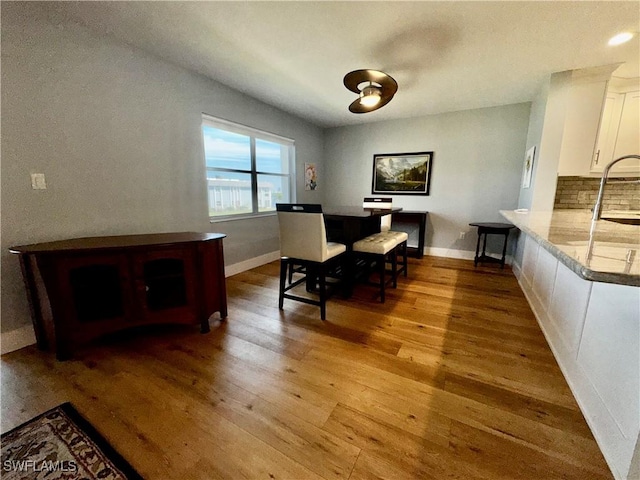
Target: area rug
column 61, row 445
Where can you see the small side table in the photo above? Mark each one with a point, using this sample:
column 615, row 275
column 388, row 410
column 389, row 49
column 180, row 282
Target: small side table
column 491, row 229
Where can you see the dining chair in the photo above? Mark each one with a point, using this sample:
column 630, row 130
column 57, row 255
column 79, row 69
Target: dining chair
column 378, row 250
column 303, row 242
column 384, row 203
column 380, row 203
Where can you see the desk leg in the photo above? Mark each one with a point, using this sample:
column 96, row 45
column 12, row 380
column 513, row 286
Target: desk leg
column 475, row 260
column 504, row 250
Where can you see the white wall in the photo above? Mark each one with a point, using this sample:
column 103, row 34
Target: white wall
column 563, row 127
column 534, row 136
column 117, row 134
column 546, row 171
column 477, row 166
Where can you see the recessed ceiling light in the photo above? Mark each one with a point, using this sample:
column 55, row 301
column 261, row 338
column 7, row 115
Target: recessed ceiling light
column 620, row 38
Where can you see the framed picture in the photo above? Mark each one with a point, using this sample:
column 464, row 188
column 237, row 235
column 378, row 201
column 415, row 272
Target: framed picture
column 528, row 167
column 310, row 176
column 402, row 173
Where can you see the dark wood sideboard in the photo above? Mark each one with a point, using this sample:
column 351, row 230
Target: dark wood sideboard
column 80, row 289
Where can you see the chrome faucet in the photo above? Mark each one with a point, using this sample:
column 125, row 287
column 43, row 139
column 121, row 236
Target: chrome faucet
column 597, row 209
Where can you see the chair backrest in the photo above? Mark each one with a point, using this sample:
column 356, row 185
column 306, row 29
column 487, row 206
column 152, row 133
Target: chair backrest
column 377, row 203
column 302, row 231
column 380, row 204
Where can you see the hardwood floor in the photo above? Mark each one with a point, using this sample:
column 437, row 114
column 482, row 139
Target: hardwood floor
column 450, row 379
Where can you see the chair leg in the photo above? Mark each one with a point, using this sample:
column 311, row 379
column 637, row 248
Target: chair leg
column 323, row 292
column 284, row 264
column 394, row 267
column 404, row 257
column 383, row 267
column 290, row 269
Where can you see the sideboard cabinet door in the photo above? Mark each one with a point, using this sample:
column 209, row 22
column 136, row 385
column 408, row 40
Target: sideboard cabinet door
column 165, row 286
column 91, row 293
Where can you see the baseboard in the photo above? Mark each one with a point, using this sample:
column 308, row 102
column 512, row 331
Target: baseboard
column 17, row 339
column 461, row 254
column 245, row 265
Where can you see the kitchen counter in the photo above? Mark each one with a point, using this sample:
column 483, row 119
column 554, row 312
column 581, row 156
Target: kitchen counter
column 602, row 251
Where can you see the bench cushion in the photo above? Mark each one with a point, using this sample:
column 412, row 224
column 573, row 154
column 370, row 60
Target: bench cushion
column 378, row 243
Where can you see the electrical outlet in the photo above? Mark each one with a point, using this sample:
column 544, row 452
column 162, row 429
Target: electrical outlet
column 462, row 235
column 38, row 182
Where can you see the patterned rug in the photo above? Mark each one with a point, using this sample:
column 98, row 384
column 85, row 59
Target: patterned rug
column 61, row 445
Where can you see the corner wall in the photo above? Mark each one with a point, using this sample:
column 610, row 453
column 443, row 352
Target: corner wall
column 477, row 167
column 117, row 134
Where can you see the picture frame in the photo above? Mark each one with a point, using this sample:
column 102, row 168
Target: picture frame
column 402, row 173
column 527, row 168
column 310, row 176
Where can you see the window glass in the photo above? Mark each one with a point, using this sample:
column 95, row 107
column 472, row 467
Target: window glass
column 271, row 157
column 272, row 189
column 226, row 149
column 248, row 171
column 229, row 193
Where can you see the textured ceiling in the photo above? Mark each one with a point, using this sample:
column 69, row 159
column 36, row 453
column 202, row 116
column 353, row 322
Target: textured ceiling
column 446, row 56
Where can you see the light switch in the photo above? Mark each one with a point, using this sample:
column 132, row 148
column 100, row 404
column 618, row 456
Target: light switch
column 38, row 182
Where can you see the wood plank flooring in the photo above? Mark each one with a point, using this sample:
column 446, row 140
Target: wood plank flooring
column 450, row 379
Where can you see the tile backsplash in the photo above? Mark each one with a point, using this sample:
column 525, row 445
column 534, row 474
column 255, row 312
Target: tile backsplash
column 582, row 192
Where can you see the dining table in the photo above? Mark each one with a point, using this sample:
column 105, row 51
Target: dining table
column 347, row 225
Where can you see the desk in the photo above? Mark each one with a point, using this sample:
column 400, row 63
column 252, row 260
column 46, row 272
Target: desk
column 415, row 224
column 347, row 225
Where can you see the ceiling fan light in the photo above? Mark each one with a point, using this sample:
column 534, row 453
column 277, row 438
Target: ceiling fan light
column 370, row 96
column 374, row 89
column 620, row 38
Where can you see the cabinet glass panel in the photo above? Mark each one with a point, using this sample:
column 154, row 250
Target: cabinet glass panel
column 165, row 283
column 96, row 292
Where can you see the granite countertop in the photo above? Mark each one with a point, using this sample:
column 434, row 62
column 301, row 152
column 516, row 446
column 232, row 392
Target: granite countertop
column 601, row 251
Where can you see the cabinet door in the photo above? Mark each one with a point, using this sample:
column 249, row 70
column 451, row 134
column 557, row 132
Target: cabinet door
column 165, row 286
column 91, row 295
column 608, row 131
column 609, row 352
column 619, row 133
column 628, row 141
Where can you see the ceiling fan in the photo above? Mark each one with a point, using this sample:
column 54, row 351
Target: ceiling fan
column 375, row 89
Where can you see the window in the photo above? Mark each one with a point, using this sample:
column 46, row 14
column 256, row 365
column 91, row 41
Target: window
column 248, row 171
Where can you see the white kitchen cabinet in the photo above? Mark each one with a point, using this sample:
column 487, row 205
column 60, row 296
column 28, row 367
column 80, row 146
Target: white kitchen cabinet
column 569, row 306
column 529, row 259
column 544, row 277
column 612, row 320
column 609, row 356
column 619, row 132
column 609, row 123
column 584, row 103
column 628, row 141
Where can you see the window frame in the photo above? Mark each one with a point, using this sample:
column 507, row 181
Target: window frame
column 253, row 134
